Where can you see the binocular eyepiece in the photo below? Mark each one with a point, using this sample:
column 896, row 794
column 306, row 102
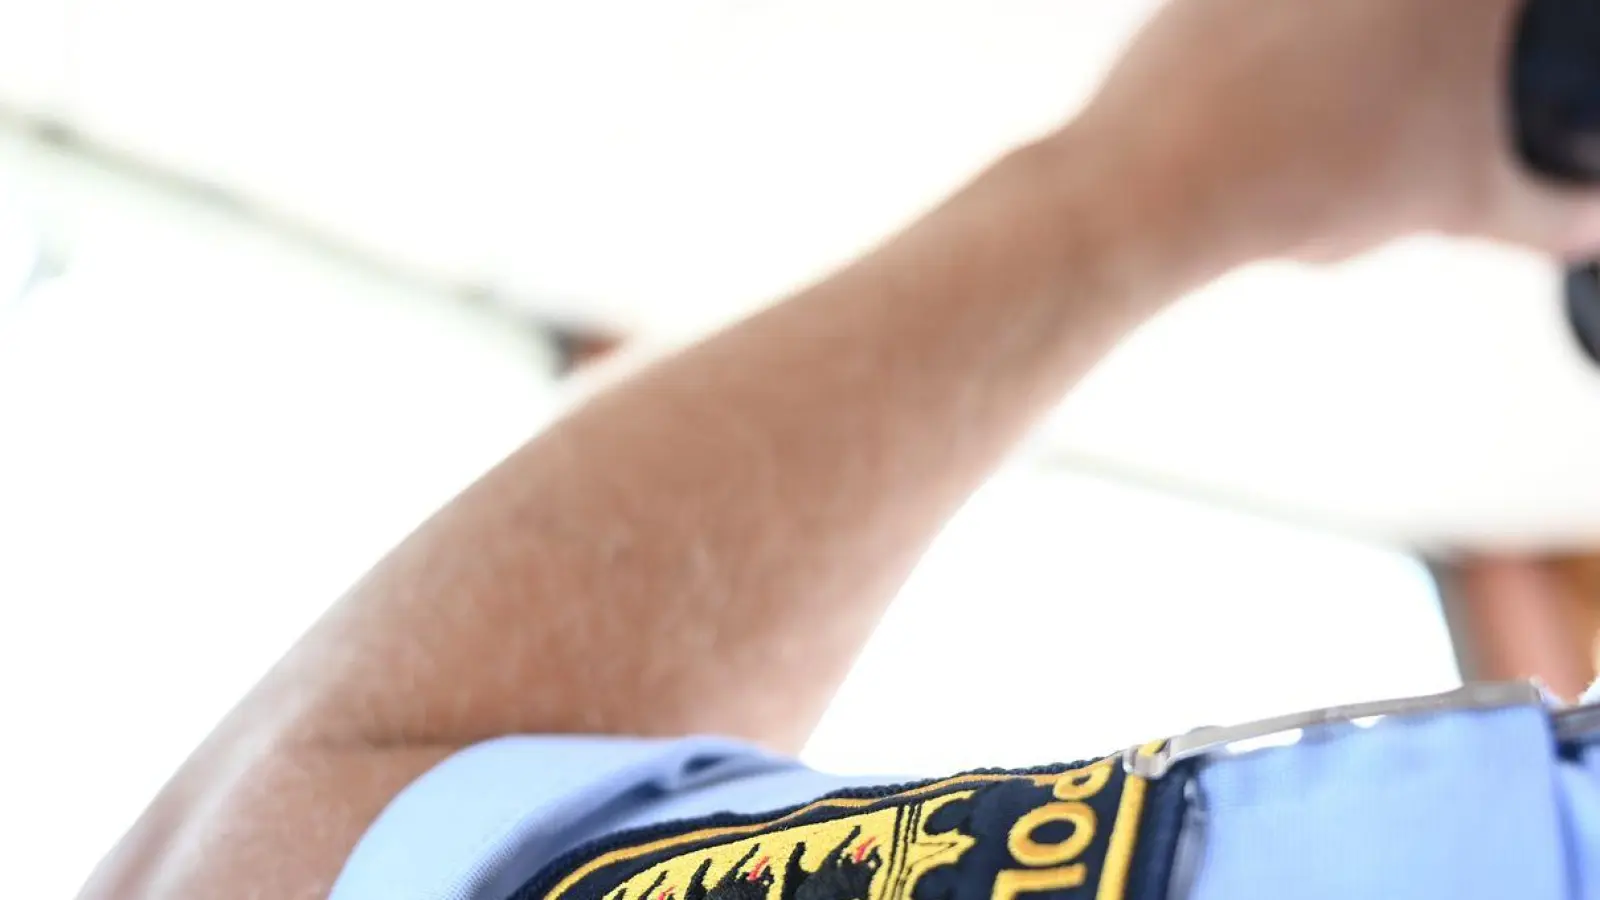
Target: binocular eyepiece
column 1555, row 94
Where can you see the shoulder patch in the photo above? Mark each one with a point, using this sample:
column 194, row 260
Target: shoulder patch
column 1059, row 833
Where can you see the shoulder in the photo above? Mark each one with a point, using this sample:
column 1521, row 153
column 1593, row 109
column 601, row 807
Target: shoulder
column 485, row 820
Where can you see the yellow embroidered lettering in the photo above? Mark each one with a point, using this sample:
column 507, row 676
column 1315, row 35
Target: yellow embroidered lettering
column 1013, row 882
column 1034, row 854
column 1051, row 866
column 1084, row 783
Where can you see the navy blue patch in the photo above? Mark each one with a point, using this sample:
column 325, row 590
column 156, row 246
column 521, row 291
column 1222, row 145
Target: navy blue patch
column 1059, row 833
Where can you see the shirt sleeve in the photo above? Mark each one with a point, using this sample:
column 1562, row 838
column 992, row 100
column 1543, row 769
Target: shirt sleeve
column 484, row 821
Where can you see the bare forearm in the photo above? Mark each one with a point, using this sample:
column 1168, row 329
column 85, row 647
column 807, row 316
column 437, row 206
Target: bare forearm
column 706, row 546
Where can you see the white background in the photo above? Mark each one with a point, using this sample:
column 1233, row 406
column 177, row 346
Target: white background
column 664, row 165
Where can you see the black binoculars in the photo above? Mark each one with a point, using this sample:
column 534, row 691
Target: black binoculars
column 1555, row 94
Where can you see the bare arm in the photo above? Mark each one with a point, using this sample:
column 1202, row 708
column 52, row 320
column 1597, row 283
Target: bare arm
column 705, row 547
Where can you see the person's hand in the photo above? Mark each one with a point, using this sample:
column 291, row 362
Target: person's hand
column 1319, row 128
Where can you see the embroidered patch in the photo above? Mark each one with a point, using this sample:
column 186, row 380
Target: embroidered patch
column 1055, row 834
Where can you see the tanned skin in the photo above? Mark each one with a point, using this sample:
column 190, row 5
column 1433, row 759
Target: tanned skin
column 705, row 546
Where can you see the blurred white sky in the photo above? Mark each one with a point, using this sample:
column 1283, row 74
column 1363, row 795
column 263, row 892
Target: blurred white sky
column 1063, row 616
column 665, row 166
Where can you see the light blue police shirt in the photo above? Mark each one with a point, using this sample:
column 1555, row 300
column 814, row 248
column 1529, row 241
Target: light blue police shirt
column 1461, row 805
